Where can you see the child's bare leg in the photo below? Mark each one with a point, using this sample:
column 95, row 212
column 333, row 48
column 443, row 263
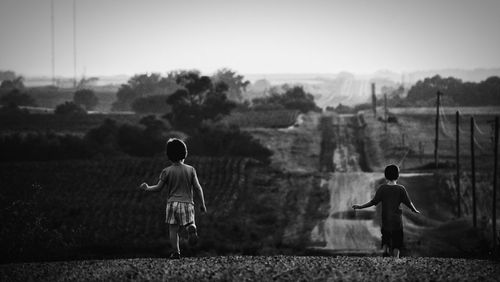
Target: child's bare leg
column 396, row 253
column 174, row 237
column 386, row 250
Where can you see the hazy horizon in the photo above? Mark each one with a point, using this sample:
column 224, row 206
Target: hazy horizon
column 250, row 37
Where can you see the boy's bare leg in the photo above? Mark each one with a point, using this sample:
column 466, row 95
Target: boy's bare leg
column 386, row 250
column 174, row 237
column 396, row 253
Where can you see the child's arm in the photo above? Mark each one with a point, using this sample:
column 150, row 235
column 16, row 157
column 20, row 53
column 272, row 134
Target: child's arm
column 199, row 191
column 376, row 199
column 366, row 205
column 408, row 202
column 144, row 186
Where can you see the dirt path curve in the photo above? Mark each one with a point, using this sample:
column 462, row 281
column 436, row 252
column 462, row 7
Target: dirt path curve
column 241, row 268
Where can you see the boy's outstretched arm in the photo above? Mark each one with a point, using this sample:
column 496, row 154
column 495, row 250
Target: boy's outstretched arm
column 376, row 199
column 144, row 186
column 199, row 192
column 367, row 205
column 408, row 202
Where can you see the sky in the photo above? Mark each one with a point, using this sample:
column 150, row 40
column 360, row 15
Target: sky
column 258, row 36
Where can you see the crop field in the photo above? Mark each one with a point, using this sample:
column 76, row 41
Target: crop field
column 266, row 119
column 98, row 203
column 60, row 124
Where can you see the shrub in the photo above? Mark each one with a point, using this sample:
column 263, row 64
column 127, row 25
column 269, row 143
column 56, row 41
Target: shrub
column 222, row 140
column 151, row 104
column 86, row 98
column 69, row 108
column 18, row 98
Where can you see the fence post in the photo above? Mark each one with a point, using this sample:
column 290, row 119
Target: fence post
column 457, row 146
column 436, row 140
column 473, row 171
column 495, row 176
column 374, row 100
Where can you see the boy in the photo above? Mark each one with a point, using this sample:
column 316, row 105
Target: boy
column 391, row 195
column 179, row 179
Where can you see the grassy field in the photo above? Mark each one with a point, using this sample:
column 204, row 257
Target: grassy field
column 410, row 141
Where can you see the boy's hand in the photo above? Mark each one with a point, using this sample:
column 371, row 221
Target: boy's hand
column 143, row 186
column 356, row 207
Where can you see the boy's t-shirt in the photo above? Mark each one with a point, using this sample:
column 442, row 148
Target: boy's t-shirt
column 391, row 196
column 179, row 179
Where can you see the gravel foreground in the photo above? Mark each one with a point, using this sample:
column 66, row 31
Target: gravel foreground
column 246, row 268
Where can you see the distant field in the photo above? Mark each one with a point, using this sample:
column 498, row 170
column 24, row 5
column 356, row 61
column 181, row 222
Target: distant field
column 60, row 124
column 47, row 98
column 447, row 110
column 411, row 139
column 266, row 119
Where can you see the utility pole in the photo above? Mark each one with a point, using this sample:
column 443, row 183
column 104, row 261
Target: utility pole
column 74, row 44
column 374, row 100
column 385, row 112
column 436, row 140
column 495, row 176
column 473, row 171
column 457, row 146
column 52, row 33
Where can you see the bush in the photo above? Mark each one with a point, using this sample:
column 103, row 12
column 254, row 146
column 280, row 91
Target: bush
column 86, row 98
column 151, row 104
column 294, row 98
column 145, row 140
column 42, row 147
column 13, row 109
column 221, row 140
column 69, row 108
column 17, row 98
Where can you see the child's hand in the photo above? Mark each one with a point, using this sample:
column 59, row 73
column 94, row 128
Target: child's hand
column 356, row 207
column 143, row 186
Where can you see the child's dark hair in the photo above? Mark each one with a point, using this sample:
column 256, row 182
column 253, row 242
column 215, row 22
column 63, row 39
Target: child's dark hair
column 391, row 172
column 176, row 149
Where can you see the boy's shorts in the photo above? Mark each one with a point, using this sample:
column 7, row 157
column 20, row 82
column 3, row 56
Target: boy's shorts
column 179, row 213
column 392, row 238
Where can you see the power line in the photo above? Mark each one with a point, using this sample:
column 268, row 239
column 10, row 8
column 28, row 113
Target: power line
column 74, row 43
column 52, row 33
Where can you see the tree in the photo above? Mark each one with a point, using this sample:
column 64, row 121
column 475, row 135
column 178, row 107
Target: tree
column 125, row 96
column 198, row 100
column 69, row 108
column 86, row 98
column 7, row 75
column 151, row 104
column 12, row 84
column 222, row 140
column 236, row 83
column 294, row 98
column 142, row 86
column 86, row 82
column 456, row 92
column 16, row 97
